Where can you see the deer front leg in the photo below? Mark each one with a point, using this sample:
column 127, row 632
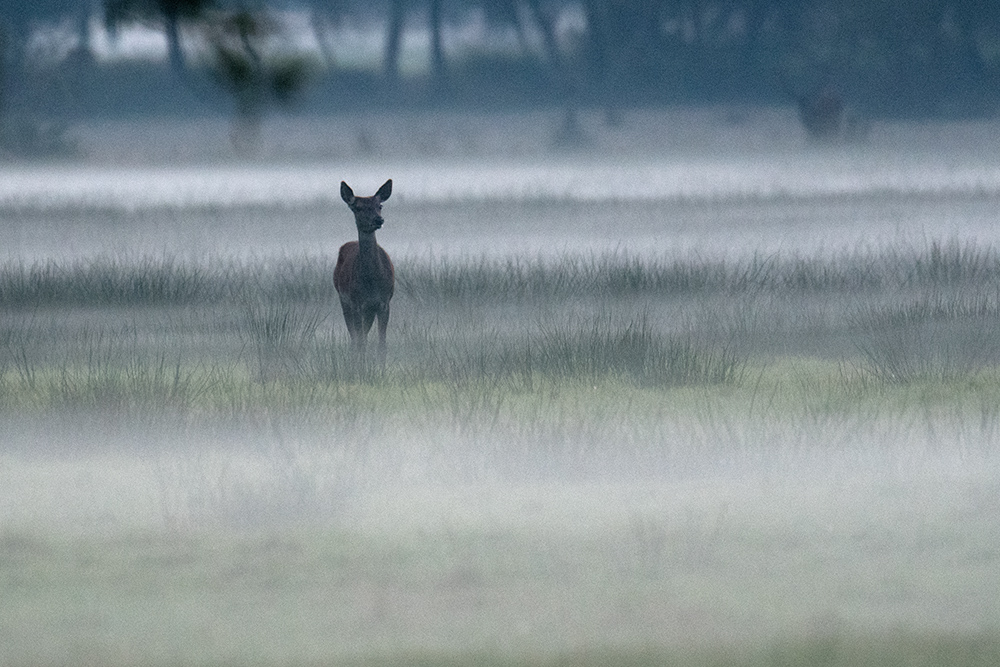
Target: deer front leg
column 352, row 318
column 383, row 324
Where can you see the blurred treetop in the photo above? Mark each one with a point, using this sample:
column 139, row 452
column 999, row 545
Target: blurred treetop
column 913, row 58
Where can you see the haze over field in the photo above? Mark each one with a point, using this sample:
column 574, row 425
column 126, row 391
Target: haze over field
column 693, row 353
column 697, row 387
column 666, row 183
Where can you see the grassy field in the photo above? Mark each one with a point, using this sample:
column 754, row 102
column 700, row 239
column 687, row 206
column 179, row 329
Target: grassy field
column 596, row 459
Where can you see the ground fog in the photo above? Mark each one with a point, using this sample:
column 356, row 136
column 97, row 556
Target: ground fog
column 695, row 391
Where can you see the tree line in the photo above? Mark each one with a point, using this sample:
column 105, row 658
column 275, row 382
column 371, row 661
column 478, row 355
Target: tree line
column 916, row 58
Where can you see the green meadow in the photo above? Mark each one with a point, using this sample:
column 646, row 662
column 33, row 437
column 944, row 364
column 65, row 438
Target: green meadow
column 587, row 459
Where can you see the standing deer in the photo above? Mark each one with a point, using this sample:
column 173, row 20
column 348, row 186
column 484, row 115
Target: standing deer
column 364, row 275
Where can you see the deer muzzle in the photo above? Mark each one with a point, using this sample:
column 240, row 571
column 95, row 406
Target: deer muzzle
column 371, row 225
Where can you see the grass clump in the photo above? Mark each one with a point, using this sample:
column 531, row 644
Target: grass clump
column 939, row 265
column 936, row 336
column 598, row 350
column 101, row 369
column 108, row 282
column 632, row 351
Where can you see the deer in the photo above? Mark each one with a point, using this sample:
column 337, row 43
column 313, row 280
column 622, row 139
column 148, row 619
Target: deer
column 364, row 275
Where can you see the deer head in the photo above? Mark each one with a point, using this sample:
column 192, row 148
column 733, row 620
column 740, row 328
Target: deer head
column 367, row 210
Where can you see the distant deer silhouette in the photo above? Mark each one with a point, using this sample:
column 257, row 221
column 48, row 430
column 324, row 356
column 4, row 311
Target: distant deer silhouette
column 364, row 275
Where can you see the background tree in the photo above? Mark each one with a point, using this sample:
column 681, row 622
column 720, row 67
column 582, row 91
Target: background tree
column 916, row 58
column 254, row 63
column 396, row 22
column 22, row 132
column 171, row 15
column 249, row 51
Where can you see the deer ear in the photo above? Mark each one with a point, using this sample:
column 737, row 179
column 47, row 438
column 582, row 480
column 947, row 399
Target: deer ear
column 346, row 193
column 384, row 191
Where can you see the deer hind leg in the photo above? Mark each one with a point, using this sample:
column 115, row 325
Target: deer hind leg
column 366, row 324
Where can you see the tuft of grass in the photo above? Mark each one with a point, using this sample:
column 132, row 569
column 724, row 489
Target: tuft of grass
column 279, row 334
column 108, row 282
column 596, row 350
column 935, row 336
column 630, row 350
column 952, row 263
column 108, row 371
column 620, row 275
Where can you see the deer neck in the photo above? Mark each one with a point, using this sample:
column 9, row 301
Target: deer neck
column 367, row 249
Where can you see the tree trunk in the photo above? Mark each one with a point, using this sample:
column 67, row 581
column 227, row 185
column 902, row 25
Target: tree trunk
column 548, row 33
column 175, row 50
column 393, row 39
column 14, row 85
column 3, row 78
column 438, row 68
